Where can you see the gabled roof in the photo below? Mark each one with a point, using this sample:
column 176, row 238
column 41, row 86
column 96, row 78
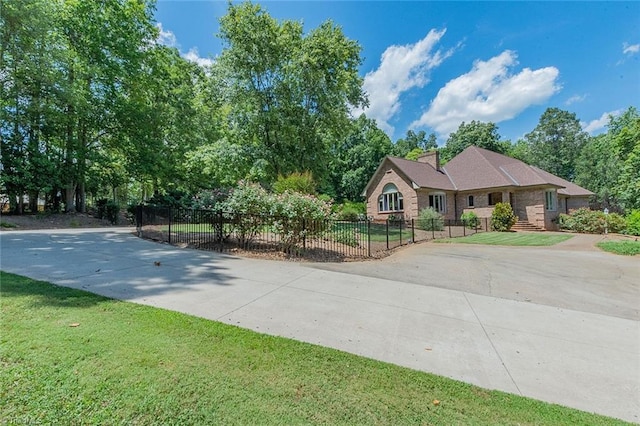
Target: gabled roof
column 477, row 169
column 422, row 174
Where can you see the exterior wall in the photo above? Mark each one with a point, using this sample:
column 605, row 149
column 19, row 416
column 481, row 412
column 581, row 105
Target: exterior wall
column 409, row 196
column 423, row 202
column 574, row 203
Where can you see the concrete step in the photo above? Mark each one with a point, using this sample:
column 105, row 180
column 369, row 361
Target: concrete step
column 523, row 225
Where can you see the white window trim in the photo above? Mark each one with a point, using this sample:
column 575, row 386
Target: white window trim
column 443, row 202
column 550, row 200
column 390, row 198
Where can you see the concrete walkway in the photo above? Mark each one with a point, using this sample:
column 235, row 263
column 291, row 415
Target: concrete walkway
column 577, row 358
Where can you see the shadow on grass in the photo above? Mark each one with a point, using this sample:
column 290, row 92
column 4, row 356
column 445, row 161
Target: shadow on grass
column 47, row 294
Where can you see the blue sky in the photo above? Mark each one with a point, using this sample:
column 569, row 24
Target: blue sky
column 431, row 65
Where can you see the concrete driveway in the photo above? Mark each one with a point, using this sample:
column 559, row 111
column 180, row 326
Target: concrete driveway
column 559, row 325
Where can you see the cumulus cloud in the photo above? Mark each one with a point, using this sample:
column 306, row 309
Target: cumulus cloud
column 489, row 92
column 574, row 99
column 193, row 56
column 599, row 123
column 401, row 68
column 166, row 37
column 630, row 49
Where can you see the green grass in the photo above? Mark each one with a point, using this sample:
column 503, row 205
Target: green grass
column 72, row 357
column 510, row 239
column 625, row 247
column 6, row 225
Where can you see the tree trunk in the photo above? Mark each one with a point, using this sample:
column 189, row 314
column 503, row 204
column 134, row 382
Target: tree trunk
column 69, row 196
column 33, row 201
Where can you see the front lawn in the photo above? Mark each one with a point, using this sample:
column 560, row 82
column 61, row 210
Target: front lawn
column 72, row 357
column 510, row 239
column 624, row 247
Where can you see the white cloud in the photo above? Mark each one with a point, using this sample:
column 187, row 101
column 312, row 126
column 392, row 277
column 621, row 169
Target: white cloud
column 630, row 49
column 574, row 99
column 193, row 56
column 599, row 123
column 401, row 68
column 489, row 92
column 167, row 37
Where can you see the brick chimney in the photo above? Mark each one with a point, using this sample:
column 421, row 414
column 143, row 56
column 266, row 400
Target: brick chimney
column 432, row 158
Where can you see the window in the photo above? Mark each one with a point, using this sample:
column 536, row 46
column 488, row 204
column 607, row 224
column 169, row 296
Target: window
column 390, row 200
column 438, row 201
column 495, row 198
column 550, row 200
column 470, row 201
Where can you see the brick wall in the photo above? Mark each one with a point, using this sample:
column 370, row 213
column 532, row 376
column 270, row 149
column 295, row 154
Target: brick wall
column 388, row 174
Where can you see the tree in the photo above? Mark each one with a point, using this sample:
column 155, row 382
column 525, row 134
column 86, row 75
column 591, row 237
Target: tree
column 483, row 135
column 598, row 169
column 556, row 142
column 414, row 141
column 356, row 159
column 291, row 92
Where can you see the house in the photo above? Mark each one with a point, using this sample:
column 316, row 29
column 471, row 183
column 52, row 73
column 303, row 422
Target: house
column 474, row 180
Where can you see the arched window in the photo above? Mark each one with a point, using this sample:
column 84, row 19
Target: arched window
column 390, row 200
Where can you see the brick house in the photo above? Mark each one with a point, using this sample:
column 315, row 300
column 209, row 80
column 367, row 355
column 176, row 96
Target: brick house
column 474, row 180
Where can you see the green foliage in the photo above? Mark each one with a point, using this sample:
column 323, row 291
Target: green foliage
column 470, row 220
column 598, row 168
column 589, row 221
column 211, row 199
column 414, row 143
column 295, row 182
column 555, row 143
column 356, row 158
column 483, row 135
column 107, row 209
column 430, row 220
column 248, row 205
column 289, row 89
column 297, row 216
column 633, row 223
column 502, row 217
column 350, row 211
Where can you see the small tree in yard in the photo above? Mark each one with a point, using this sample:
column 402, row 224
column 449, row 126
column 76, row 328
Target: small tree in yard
column 503, row 218
column 298, row 216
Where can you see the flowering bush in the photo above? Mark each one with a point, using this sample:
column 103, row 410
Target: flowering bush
column 246, row 208
column 297, row 216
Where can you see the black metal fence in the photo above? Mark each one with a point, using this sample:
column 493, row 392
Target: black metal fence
column 326, row 239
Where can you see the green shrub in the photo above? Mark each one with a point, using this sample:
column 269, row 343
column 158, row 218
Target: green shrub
column 587, row 221
column 502, row 217
column 210, row 199
column 247, row 207
column 470, row 220
column 297, row 216
column 633, row 223
column 295, row 182
column 430, row 220
column 350, row 211
column 107, row 209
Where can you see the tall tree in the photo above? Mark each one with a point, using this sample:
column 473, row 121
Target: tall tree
column 290, row 91
column 598, row 169
column 483, row 135
column 355, row 160
column 413, row 142
column 556, row 141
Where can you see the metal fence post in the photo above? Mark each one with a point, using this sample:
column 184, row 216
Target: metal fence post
column 449, row 229
column 304, row 234
column 433, row 229
column 368, row 238
column 401, row 231
column 139, row 220
column 413, row 231
column 170, row 220
column 387, row 234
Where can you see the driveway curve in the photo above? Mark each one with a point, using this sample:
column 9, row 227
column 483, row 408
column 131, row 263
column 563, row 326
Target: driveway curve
column 555, row 325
